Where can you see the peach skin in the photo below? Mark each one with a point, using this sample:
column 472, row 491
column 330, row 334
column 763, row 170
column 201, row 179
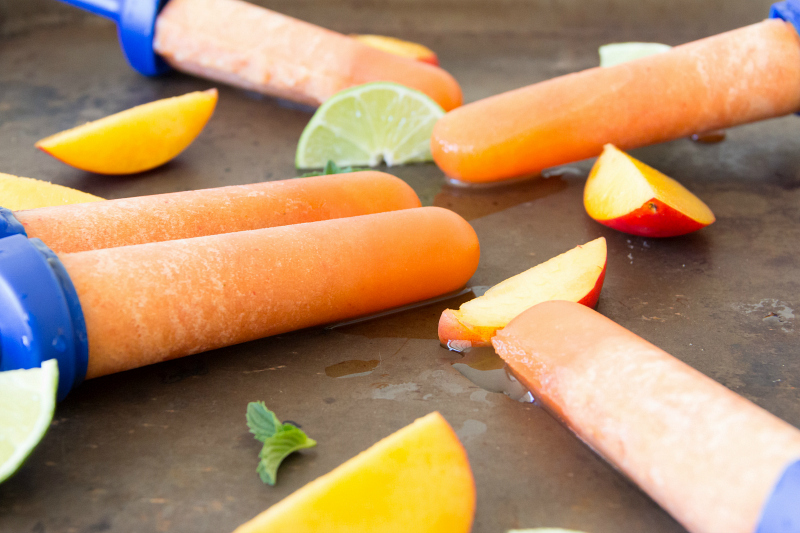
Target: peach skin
column 576, row 275
column 629, row 196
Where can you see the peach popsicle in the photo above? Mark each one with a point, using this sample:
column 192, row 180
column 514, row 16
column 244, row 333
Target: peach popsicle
column 161, row 217
column 260, row 50
column 745, row 75
column 705, row 454
column 152, row 302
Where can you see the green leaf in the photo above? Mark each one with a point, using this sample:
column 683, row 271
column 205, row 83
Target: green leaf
column 262, row 422
column 332, row 168
column 276, row 448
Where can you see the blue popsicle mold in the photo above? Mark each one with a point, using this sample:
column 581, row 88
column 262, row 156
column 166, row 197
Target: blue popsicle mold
column 781, row 513
column 136, row 21
column 789, row 10
column 9, row 225
column 40, row 315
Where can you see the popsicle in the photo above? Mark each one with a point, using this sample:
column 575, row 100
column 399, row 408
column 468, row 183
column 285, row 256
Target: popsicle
column 712, row 459
column 108, row 310
column 741, row 76
column 181, row 215
column 248, row 46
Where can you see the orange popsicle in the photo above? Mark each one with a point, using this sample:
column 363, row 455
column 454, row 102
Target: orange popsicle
column 257, row 49
column 705, row 454
column 741, row 76
column 152, row 302
column 181, row 215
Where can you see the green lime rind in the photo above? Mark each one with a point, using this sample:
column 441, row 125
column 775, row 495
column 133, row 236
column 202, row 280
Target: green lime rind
column 27, row 404
column 369, row 124
column 617, row 53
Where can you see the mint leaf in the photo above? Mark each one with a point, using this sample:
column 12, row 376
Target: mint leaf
column 332, row 168
column 276, row 448
column 279, row 440
column 262, row 422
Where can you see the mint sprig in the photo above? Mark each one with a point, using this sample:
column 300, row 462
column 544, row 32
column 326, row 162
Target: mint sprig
column 332, row 168
column 280, row 440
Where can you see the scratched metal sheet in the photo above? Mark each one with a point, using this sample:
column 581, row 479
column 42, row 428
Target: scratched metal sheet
column 165, row 448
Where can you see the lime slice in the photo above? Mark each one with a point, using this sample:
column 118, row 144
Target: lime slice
column 367, row 124
column 27, row 403
column 616, row 53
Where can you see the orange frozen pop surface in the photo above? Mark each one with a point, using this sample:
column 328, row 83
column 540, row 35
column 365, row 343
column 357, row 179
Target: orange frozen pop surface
column 745, row 75
column 257, row 49
column 181, row 215
column 152, row 302
column 705, row 454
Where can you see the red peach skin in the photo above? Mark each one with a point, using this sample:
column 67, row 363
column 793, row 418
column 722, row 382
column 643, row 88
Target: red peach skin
column 705, row 454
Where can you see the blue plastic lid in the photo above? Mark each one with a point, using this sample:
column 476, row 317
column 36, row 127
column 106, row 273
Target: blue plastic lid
column 40, row 314
column 789, row 10
column 9, row 225
column 782, row 512
column 136, row 23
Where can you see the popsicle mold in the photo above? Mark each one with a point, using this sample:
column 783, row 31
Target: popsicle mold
column 40, row 315
column 788, row 10
column 136, row 21
column 781, row 513
column 9, row 225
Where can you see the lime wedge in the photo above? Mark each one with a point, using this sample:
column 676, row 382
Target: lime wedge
column 367, row 124
column 27, row 403
column 616, row 53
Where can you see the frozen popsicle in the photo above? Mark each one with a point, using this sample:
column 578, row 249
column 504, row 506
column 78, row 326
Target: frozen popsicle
column 248, row 46
column 181, row 215
column 147, row 303
column 709, row 457
column 742, row 76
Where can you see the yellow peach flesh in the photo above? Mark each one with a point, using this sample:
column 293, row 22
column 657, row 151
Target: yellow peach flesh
column 569, row 276
column 17, row 193
column 619, row 184
column 136, row 139
column 417, row 479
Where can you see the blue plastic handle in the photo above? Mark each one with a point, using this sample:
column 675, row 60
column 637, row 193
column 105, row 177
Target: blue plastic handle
column 136, row 24
column 40, row 314
column 781, row 513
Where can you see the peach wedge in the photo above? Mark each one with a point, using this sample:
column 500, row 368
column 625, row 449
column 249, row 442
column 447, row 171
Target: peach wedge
column 18, row 193
column 576, row 276
column 136, row 139
column 400, row 47
column 417, row 479
column 629, row 196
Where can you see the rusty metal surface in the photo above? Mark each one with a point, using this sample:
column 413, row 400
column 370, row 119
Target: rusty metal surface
column 165, row 448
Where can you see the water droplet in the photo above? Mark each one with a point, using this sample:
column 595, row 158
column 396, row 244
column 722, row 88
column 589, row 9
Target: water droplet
column 486, row 369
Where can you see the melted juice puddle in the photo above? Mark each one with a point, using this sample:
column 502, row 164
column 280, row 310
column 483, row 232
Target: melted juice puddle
column 352, row 369
column 487, row 370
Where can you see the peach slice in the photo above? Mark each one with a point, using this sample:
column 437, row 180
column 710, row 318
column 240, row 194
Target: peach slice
column 18, row 193
column 417, row 479
column 576, row 275
column 400, row 47
column 629, row 196
column 136, row 139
